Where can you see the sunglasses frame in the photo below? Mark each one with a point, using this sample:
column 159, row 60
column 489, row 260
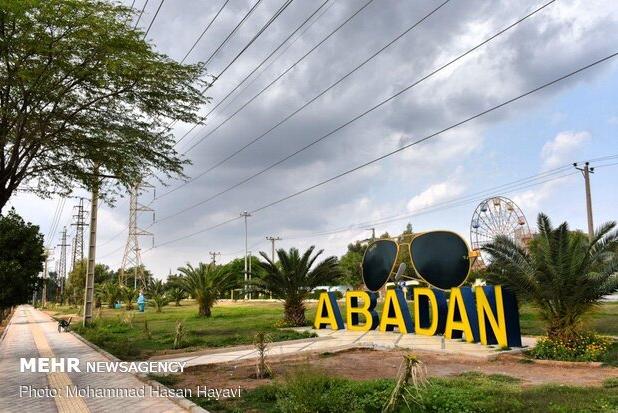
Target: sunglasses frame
column 472, row 257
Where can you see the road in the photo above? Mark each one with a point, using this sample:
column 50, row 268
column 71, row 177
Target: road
column 32, row 333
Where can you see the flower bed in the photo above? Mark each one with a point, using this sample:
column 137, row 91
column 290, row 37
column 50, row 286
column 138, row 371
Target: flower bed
column 582, row 347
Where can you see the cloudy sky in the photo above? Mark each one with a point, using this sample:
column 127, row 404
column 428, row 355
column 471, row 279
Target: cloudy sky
column 435, row 184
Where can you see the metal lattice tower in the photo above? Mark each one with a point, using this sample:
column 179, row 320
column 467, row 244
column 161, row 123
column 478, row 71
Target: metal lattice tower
column 79, row 222
column 132, row 253
column 62, row 264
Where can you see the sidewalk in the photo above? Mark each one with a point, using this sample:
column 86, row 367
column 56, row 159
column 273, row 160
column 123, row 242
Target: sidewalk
column 32, row 333
column 330, row 340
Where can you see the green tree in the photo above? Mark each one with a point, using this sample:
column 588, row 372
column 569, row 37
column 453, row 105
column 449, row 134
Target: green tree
column 177, row 294
column 80, row 86
column 350, row 264
column 158, row 295
column 129, row 296
column 561, row 272
column 108, row 292
column 76, row 280
column 21, row 259
column 293, row 278
column 206, row 284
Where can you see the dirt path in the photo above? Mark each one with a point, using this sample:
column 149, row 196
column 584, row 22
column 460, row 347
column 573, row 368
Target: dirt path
column 372, row 364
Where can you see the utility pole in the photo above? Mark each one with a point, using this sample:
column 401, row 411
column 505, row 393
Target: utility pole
column 62, row 269
column 92, row 249
column 79, row 222
column 132, row 252
column 48, row 252
column 246, row 215
column 373, row 233
column 272, row 240
column 586, row 171
column 250, row 256
column 213, row 255
column 92, row 244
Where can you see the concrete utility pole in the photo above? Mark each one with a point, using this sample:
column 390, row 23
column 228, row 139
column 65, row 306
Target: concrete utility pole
column 586, row 171
column 213, row 255
column 132, row 253
column 92, row 250
column 79, row 222
column 272, row 240
column 62, row 269
column 48, row 252
column 250, row 274
column 246, row 215
column 373, row 233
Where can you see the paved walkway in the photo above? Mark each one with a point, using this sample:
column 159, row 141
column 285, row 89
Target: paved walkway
column 32, row 333
column 330, row 340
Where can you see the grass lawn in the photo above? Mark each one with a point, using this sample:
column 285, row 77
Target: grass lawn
column 236, row 323
column 231, row 324
column 312, row 391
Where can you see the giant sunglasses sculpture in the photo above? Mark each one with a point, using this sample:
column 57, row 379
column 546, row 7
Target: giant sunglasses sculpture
column 441, row 258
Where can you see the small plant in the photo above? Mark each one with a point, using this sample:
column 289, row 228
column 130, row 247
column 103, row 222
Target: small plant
column 128, row 318
column 180, row 333
column 147, row 329
column 412, row 377
column 611, row 383
column 261, row 341
column 580, row 347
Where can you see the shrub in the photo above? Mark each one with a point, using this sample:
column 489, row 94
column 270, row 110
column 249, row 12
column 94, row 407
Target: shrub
column 585, row 346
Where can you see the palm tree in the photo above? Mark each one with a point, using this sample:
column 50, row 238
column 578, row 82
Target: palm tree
column 108, row 292
column 156, row 291
column 129, row 295
column 206, row 283
column 177, row 294
column 561, row 272
column 293, row 278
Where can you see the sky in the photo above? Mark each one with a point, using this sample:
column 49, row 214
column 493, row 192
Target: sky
column 435, row 184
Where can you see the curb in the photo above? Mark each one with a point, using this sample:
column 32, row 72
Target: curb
column 7, row 325
column 180, row 401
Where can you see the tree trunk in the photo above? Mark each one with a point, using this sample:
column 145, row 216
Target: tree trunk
column 294, row 310
column 205, row 310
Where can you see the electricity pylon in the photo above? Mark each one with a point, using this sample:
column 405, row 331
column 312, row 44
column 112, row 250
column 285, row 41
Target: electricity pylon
column 132, row 253
column 79, row 222
column 62, row 267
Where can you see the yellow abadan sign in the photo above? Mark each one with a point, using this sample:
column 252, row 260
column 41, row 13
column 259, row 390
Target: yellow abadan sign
column 486, row 314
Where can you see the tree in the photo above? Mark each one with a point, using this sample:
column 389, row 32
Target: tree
column 129, row 296
column 177, row 294
column 21, row 259
column 76, row 282
column 156, row 291
column 206, row 283
column 293, row 278
column 562, row 272
column 108, row 292
column 80, row 86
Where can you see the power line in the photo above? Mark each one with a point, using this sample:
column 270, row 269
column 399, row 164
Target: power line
column 359, row 116
column 154, row 18
column 205, row 30
column 414, row 143
column 240, row 23
column 316, row 97
column 269, row 56
column 289, row 45
column 253, row 39
column 282, row 74
column 140, row 14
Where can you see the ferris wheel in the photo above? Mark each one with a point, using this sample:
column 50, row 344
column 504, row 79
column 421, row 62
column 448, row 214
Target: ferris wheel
column 497, row 216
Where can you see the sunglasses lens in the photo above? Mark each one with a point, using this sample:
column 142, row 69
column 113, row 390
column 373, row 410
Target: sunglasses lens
column 441, row 258
column 378, row 263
